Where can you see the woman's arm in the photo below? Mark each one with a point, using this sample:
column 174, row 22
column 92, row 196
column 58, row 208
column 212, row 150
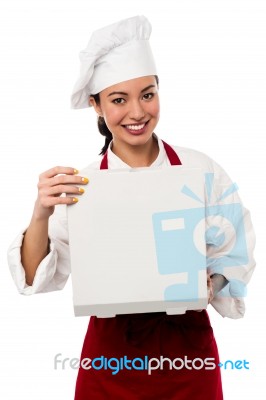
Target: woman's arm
column 230, row 246
column 52, row 184
column 35, row 247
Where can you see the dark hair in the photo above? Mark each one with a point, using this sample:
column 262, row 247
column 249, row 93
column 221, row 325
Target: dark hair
column 102, row 127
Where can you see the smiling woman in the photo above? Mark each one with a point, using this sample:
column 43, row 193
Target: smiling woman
column 130, row 113
column 103, row 129
column 119, row 79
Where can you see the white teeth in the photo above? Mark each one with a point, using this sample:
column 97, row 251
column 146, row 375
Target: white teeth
column 135, row 127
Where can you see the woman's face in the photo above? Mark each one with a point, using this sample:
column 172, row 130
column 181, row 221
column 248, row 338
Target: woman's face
column 130, row 110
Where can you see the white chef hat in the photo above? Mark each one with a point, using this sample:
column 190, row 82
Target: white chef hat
column 114, row 54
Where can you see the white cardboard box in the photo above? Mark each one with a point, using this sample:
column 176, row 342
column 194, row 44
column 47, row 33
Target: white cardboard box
column 137, row 242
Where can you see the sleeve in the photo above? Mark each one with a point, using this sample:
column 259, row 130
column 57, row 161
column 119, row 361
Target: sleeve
column 53, row 271
column 230, row 242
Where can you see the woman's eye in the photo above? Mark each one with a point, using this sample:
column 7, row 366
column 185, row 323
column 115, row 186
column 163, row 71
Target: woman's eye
column 118, row 101
column 148, row 96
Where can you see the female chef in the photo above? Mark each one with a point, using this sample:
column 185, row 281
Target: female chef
column 118, row 79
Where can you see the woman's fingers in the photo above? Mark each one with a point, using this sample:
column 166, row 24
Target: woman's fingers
column 58, row 170
column 60, row 189
column 51, row 201
column 45, row 181
column 54, row 183
column 68, row 179
column 62, row 183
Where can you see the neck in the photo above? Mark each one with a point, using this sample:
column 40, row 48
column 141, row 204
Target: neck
column 137, row 156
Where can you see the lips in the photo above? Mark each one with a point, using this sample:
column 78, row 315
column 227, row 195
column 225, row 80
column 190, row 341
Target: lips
column 136, row 129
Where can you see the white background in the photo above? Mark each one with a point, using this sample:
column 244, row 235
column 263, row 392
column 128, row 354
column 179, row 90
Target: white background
column 211, row 61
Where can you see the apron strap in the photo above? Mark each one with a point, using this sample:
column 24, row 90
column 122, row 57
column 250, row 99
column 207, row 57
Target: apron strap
column 104, row 162
column 171, row 154
column 173, row 157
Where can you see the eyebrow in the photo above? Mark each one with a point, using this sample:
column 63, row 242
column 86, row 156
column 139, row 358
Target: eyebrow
column 126, row 94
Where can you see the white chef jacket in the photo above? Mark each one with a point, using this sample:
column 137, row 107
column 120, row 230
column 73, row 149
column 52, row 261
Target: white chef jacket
column 54, row 270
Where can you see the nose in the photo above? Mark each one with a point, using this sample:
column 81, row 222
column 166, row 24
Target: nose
column 136, row 111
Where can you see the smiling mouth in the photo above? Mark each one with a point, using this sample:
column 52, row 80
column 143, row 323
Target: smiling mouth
column 135, row 127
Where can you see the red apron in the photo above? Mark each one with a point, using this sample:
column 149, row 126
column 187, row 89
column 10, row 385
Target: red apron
column 180, row 343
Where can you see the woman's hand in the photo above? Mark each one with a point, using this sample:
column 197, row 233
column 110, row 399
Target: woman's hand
column 52, row 184
column 215, row 284
column 210, row 289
